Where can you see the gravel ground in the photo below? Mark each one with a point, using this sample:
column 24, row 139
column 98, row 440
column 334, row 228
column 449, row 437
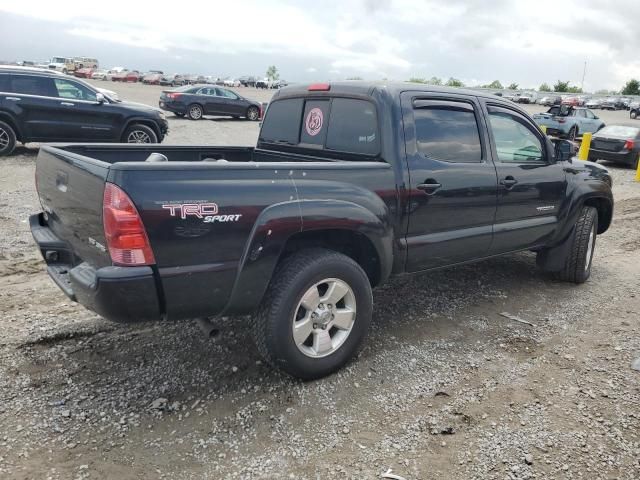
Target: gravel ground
column 445, row 388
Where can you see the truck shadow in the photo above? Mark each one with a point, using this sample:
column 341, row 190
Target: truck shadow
column 143, row 362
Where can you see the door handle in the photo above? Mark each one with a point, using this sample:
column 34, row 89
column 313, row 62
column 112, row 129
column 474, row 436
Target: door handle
column 68, row 104
column 14, row 99
column 429, row 187
column 508, row 182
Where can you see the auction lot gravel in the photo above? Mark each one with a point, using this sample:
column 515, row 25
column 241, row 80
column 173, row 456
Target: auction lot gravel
column 446, row 388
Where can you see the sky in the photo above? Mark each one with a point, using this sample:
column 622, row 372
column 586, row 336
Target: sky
column 476, row 41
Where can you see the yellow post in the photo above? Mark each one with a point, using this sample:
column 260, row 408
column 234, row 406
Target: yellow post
column 638, row 171
column 583, row 154
column 544, row 129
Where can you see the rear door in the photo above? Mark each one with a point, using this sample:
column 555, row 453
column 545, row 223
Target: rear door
column 453, row 189
column 33, row 102
column 531, row 187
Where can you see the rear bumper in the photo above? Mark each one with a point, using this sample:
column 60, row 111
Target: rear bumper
column 120, row 294
column 626, row 157
column 172, row 107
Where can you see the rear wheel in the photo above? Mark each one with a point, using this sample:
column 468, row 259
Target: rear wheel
column 138, row 133
column 633, row 114
column 195, row 111
column 7, row 139
column 315, row 314
column 577, row 267
column 253, row 113
column 573, row 133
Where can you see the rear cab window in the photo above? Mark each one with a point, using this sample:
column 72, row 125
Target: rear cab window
column 325, row 126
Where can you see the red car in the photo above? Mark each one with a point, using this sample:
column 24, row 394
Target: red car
column 83, row 72
column 152, row 79
column 571, row 101
column 132, row 76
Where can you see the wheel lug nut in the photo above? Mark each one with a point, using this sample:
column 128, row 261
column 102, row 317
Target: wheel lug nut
column 315, row 326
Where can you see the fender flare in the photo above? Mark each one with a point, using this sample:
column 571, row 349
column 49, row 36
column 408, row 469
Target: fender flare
column 278, row 223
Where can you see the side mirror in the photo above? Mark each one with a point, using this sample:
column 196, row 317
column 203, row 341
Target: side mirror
column 595, row 117
column 100, row 98
column 564, row 150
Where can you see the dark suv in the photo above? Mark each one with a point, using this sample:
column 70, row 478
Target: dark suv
column 38, row 105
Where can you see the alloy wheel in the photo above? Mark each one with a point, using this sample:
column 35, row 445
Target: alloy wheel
column 4, row 139
column 324, row 318
column 138, row 136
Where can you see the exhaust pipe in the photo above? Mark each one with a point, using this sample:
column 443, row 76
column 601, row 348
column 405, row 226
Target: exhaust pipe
column 209, row 330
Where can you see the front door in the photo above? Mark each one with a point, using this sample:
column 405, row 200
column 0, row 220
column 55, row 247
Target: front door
column 452, row 199
column 81, row 114
column 531, row 186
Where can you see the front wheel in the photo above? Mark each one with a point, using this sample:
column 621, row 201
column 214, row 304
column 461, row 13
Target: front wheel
column 633, row 114
column 138, row 133
column 315, row 314
column 577, row 267
column 195, row 112
column 253, row 114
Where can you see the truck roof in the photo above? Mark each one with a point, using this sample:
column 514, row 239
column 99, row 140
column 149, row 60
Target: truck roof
column 366, row 88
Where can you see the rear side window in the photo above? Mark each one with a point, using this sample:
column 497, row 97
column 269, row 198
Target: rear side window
column 448, row 131
column 353, row 127
column 282, row 122
column 4, row 83
column 32, row 85
column 333, row 125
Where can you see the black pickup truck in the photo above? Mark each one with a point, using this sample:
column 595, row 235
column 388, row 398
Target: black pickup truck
column 349, row 184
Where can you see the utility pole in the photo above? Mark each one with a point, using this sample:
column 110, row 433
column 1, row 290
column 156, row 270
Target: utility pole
column 584, row 72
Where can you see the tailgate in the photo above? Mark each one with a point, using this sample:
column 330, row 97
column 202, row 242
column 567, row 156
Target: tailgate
column 70, row 187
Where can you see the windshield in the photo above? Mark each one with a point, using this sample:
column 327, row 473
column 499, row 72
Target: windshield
column 619, row 131
column 58, row 60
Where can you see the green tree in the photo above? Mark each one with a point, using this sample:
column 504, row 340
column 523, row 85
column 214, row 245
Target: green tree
column 418, row 80
column 513, row 86
column 561, row 86
column 573, row 89
column 631, row 88
column 495, row 84
column 272, row 73
column 545, row 88
column 454, row 82
column 434, row 81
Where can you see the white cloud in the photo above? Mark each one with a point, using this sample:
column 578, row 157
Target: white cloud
column 470, row 39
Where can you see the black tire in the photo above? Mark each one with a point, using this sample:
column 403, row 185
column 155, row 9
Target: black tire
column 273, row 324
column 573, row 133
column 138, row 133
column 577, row 267
column 633, row 114
column 194, row 111
column 7, row 139
column 253, row 113
column 634, row 166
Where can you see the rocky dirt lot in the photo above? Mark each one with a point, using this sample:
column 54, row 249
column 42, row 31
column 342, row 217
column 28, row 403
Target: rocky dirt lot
column 446, row 387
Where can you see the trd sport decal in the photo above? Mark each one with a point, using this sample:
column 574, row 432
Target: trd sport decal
column 314, row 120
column 208, row 212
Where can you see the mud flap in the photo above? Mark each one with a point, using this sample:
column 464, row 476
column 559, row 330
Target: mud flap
column 553, row 259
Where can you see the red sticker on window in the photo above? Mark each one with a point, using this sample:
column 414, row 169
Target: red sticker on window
column 313, row 123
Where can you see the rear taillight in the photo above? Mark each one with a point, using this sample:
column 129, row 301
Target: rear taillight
column 174, row 96
column 629, row 144
column 123, row 229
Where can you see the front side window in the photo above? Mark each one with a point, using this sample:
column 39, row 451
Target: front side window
column 590, row 114
column 448, row 131
column 515, row 142
column 73, row 90
column 226, row 93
